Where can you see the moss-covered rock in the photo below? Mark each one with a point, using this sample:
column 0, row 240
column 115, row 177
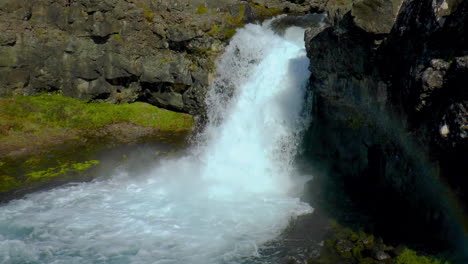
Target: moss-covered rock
column 344, row 245
column 411, row 257
column 264, row 12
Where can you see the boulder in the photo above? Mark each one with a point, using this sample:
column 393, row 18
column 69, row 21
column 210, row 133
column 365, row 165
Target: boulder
column 376, row 16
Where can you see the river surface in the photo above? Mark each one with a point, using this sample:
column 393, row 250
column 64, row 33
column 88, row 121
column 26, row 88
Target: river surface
column 232, row 192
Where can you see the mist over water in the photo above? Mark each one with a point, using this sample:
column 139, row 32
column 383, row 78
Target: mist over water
column 232, row 192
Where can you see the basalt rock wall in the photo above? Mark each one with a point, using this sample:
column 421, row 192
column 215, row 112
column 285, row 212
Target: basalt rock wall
column 158, row 51
column 389, row 80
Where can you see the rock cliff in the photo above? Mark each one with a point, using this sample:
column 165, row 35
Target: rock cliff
column 157, row 51
column 391, row 113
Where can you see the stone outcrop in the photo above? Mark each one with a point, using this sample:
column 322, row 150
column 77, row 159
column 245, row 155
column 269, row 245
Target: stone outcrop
column 158, row 51
column 390, row 112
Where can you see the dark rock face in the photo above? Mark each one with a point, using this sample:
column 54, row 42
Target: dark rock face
column 390, row 111
column 162, row 52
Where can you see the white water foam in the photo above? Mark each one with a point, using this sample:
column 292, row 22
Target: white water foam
column 217, row 204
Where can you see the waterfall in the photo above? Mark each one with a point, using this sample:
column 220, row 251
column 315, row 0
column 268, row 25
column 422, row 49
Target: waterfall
column 231, row 193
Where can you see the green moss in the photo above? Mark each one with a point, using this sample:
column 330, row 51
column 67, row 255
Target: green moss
column 49, row 173
column 367, row 261
column 148, row 14
column 211, row 63
column 343, row 2
column 193, row 66
column 222, row 32
column 165, row 60
column 34, row 113
column 117, row 37
column 367, row 240
column 63, row 136
column 202, row 9
column 357, row 251
column 227, row 29
column 69, row 160
column 346, row 254
column 354, row 237
column 60, row 171
column 8, row 183
column 345, row 246
column 36, row 175
column 411, row 257
column 356, row 122
column 229, row 32
column 265, row 13
column 214, row 30
column 85, row 165
column 238, row 20
column 40, row 31
column 9, row 58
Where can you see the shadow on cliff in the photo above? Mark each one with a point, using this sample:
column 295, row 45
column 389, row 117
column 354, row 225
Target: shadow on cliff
column 373, row 176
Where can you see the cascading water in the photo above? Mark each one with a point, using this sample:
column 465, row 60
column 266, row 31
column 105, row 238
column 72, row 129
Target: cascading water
column 217, row 204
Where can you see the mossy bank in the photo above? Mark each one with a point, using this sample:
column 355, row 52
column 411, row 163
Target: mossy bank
column 54, row 138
